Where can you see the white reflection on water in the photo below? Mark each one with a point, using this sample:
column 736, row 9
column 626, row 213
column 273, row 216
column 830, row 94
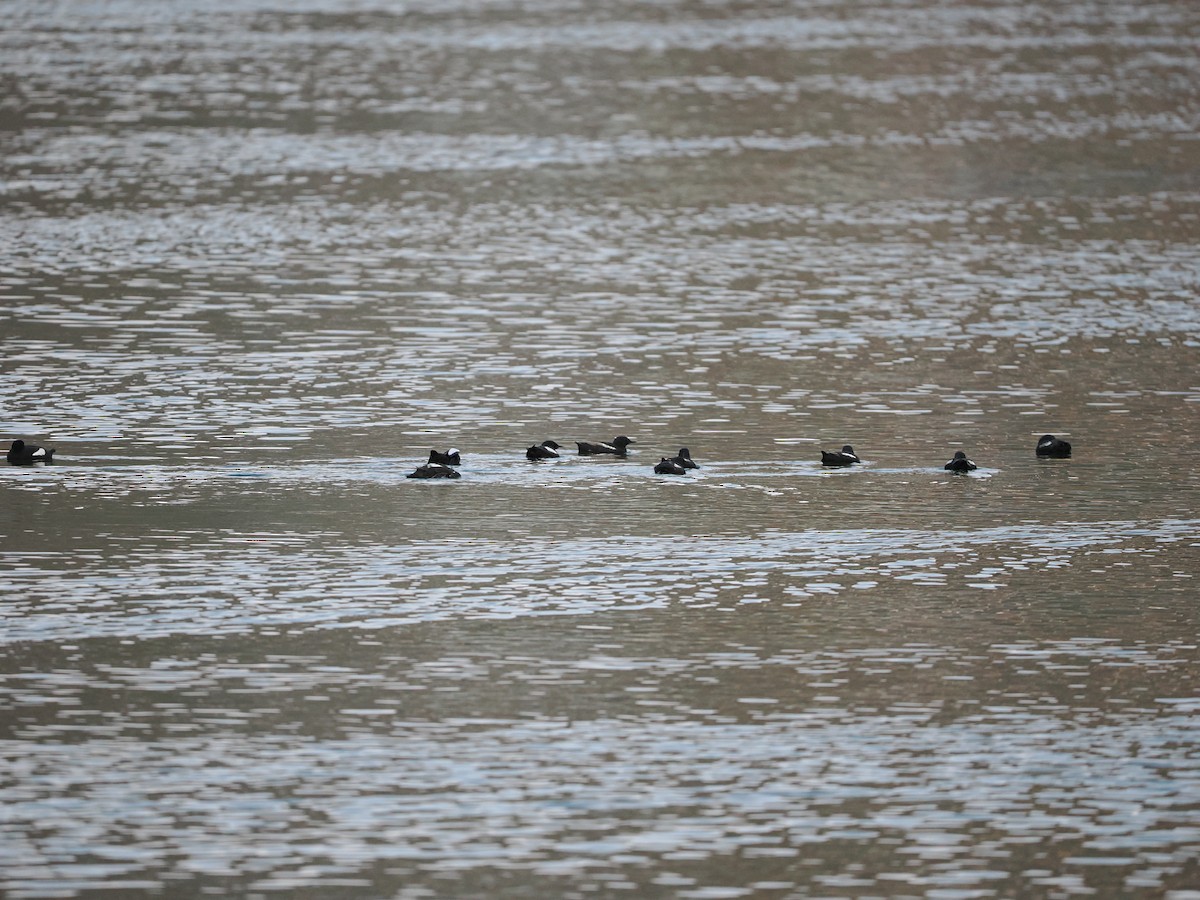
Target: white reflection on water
column 235, row 584
column 570, row 800
column 172, row 332
column 258, row 260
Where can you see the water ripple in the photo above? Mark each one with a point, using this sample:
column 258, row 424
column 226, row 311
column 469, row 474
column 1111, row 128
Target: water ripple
column 214, row 590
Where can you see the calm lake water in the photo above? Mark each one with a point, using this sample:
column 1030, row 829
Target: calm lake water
column 259, row 258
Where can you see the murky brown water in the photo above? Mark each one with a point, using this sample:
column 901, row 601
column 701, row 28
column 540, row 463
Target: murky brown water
column 258, row 260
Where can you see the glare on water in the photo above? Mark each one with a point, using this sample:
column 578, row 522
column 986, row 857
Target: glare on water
column 259, row 261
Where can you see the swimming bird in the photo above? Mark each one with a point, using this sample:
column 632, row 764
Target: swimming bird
column 449, row 458
column 616, row 448
column 435, row 470
column 684, row 459
column 669, row 467
column 23, row 454
column 844, row 457
column 960, row 463
column 544, row 450
column 1052, row 447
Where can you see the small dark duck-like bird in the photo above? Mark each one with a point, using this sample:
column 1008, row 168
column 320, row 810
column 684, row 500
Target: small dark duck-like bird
column 669, row 467
column 684, row 459
column 544, row 450
column 960, row 463
column 23, row 454
column 616, row 448
column 844, row 457
column 449, row 458
column 435, row 470
column 1054, row 448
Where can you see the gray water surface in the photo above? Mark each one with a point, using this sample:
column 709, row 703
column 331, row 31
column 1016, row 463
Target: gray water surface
column 260, row 259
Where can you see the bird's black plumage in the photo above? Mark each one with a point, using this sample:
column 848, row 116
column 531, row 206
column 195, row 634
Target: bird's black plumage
column 684, row 459
column 615, row 448
column 960, row 463
column 23, row 454
column 435, row 470
column 839, row 458
column 544, row 450
column 1053, row 448
column 669, row 467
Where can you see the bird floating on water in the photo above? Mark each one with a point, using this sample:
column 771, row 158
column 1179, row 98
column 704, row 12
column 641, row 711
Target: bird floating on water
column 669, row 467
column 450, row 458
column 960, row 463
column 23, row 454
column 684, row 459
column 839, row 458
column 1053, row 448
column 616, row 448
column 435, row 470
column 544, row 450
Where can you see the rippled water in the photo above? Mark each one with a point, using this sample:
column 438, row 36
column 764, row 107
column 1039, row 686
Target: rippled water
column 259, row 260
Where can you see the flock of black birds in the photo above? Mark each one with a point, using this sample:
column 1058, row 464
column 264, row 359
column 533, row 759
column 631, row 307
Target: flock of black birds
column 444, row 465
